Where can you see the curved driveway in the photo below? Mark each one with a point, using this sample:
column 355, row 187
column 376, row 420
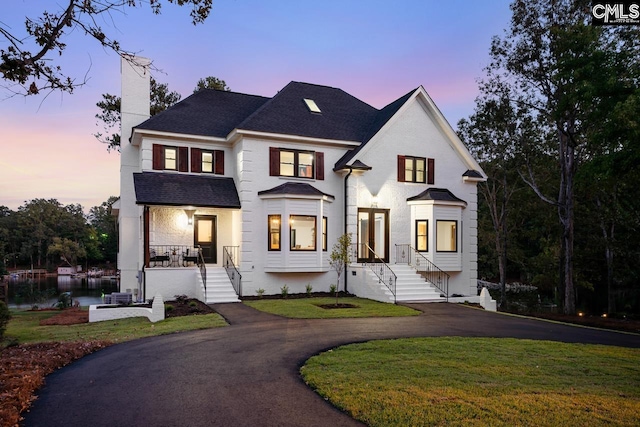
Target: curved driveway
column 246, row 374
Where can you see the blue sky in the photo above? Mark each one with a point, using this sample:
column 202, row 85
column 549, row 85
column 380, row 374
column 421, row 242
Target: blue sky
column 376, row 50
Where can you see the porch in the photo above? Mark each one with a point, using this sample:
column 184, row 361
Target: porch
column 180, row 270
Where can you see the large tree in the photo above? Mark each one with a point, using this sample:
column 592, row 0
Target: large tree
column 492, row 133
column 28, row 58
column 573, row 76
column 109, row 115
column 161, row 99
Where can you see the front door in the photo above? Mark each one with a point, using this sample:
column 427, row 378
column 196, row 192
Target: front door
column 205, row 237
column 373, row 232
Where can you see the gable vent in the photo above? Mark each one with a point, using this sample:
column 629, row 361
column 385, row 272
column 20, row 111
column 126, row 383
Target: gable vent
column 312, row 106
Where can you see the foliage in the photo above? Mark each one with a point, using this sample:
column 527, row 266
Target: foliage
column 104, row 223
column 309, row 308
column 309, row 289
column 64, row 300
column 5, row 316
column 211, row 82
column 569, row 91
column 260, row 292
column 490, row 381
column 109, row 115
column 41, row 231
column 181, row 299
column 32, row 295
column 28, row 58
column 339, row 257
column 284, row 291
column 161, row 99
column 68, row 250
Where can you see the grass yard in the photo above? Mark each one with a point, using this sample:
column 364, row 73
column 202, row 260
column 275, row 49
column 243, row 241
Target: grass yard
column 480, row 381
column 24, row 327
column 309, row 308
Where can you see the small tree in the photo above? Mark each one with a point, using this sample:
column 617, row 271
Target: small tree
column 339, row 257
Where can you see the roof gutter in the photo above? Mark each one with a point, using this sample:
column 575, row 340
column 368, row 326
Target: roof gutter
column 346, row 198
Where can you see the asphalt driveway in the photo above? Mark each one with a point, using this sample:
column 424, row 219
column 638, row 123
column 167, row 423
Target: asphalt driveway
column 247, row 374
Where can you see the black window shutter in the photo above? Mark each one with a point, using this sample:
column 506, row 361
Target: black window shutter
column 219, row 162
column 274, row 161
column 431, row 171
column 319, row 165
column 400, row 168
column 158, row 157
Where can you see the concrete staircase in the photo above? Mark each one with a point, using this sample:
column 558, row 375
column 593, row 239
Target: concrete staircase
column 219, row 287
column 412, row 287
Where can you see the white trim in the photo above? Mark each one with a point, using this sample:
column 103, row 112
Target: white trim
column 437, row 202
column 296, row 196
column 298, row 269
column 138, row 134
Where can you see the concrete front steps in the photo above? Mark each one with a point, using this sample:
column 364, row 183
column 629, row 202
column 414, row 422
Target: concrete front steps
column 219, row 287
column 412, row 287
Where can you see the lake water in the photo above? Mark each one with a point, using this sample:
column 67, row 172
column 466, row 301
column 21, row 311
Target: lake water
column 23, row 292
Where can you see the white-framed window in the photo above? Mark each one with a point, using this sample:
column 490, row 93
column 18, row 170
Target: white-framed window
column 446, row 236
column 302, row 233
column 422, row 235
column 274, row 225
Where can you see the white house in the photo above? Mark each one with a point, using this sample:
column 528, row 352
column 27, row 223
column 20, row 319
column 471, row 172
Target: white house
column 243, row 192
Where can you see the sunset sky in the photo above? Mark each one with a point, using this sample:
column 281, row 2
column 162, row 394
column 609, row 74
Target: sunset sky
column 376, row 50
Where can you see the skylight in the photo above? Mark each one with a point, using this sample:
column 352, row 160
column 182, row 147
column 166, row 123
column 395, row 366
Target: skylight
column 312, row 106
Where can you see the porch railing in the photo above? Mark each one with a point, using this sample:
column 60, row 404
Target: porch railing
column 173, row 255
column 406, row 254
column 380, row 268
column 203, row 271
column 230, row 263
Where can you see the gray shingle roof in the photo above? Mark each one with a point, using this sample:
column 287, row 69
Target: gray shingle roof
column 440, row 194
column 208, row 112
column 472, row 174
column 216, row 113
column 298, row 188
column 169, row 189
column 342, row 117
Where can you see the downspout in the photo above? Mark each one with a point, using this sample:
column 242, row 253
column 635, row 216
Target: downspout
column 346, row 198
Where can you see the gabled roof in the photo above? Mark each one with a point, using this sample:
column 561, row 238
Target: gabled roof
column 209, row 112
column 342, row 117
column 295, row 188
column 379, row 120
column 170, row 189
column 436, row 194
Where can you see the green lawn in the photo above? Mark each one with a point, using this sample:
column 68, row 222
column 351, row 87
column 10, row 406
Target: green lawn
column 309, row 308
column 480, row 381
column 24, row 327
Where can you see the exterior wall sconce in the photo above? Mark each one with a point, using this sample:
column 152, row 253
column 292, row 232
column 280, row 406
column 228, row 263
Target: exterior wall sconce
column 374, row 201
column 190, row 213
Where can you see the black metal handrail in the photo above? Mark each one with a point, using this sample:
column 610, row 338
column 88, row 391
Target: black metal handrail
column 230, row 256
column 380, row 268
column 173, row 255
column 203, row 271
column 405, row 253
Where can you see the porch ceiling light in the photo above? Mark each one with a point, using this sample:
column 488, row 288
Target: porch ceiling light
column 190, row 213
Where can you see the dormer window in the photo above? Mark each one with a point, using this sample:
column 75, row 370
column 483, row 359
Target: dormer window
column 312, row 106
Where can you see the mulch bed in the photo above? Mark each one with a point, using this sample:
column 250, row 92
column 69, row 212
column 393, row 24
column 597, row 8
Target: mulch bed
column 24, row 368
column 624, row 325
